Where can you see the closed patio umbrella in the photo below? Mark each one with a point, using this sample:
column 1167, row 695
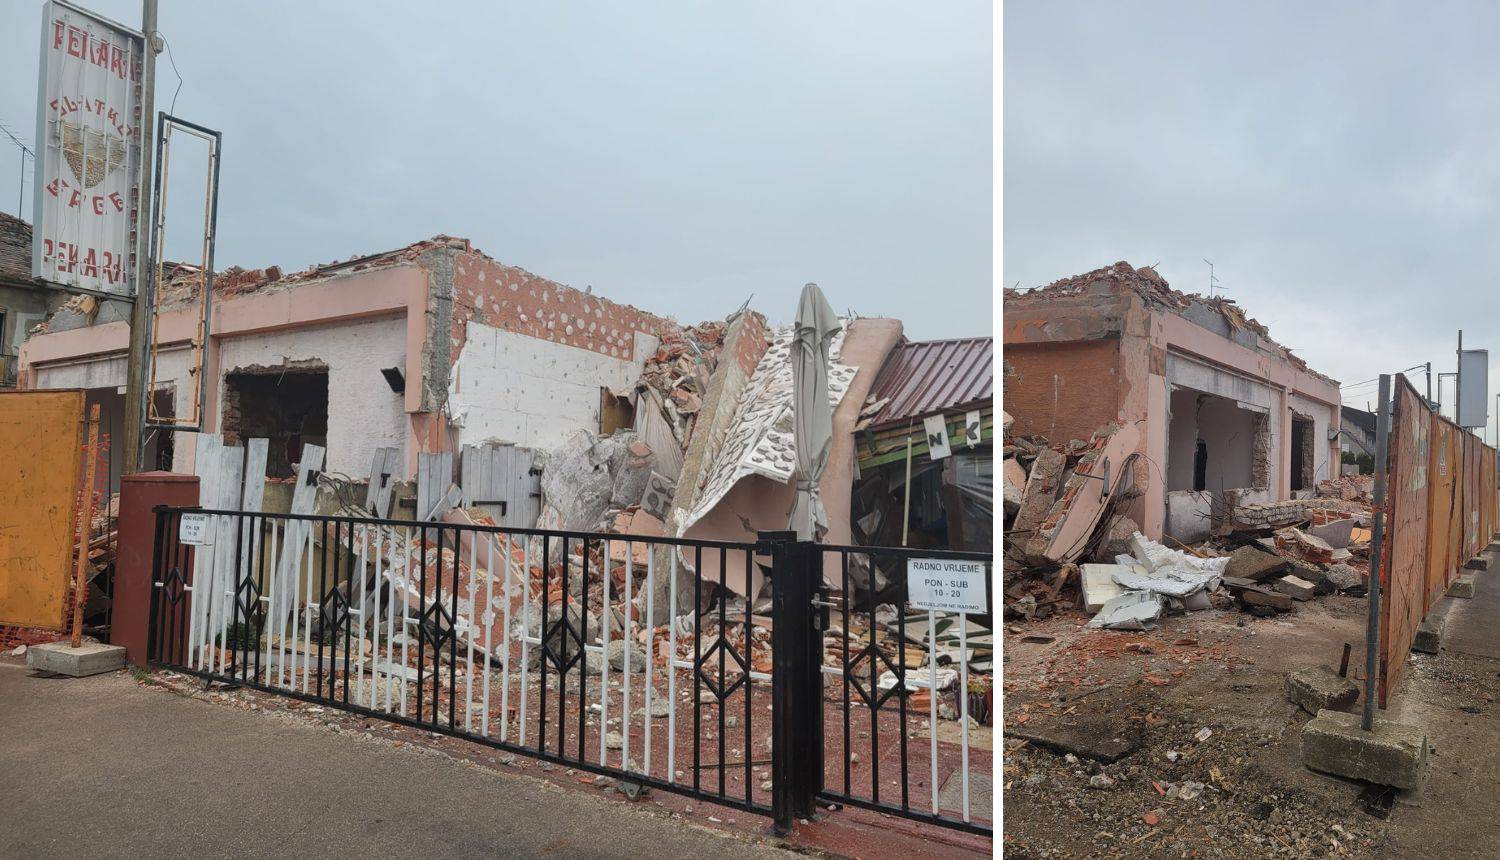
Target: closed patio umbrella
column 812, row 417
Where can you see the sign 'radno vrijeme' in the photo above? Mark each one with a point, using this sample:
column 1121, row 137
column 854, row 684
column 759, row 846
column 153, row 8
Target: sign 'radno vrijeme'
column 193, row 529
column 947, row 585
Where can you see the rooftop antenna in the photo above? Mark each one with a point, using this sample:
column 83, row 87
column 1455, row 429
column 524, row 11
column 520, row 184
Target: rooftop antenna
column 1213, row 282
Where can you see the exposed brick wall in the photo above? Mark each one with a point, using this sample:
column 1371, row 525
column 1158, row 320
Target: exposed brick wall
column 515, row 300
column 750, row 342
column 1062, row 391
column 1260, row 463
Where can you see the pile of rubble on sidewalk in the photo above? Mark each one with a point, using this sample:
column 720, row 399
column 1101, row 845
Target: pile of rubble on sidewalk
column 1068, row 546
column 1058, row 511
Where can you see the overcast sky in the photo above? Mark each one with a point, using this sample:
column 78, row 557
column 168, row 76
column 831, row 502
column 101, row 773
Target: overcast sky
column 1339, row 163
column 676, row 156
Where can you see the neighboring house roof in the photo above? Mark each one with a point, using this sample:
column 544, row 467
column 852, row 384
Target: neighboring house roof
column 927, row 377
column 1365, row 421
column 15, row 249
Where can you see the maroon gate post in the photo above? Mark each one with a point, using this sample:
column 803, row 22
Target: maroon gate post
column 139, row 493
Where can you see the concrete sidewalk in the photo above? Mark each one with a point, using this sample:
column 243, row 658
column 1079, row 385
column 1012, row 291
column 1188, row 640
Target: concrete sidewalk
column 1455, row 696
column 104, row 767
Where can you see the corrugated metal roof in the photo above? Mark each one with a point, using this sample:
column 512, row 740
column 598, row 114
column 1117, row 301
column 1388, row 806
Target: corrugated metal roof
column 934, row 376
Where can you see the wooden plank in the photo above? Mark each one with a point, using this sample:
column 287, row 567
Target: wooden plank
column 434, row 477
column 498, row 480
column 385, row 468
column 39, row 431
column 254, row 494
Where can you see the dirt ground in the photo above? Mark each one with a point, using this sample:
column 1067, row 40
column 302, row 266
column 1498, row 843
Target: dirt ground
column 1240, row 791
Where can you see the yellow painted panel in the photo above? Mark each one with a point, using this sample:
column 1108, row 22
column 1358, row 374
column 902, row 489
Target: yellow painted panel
column 39, row 458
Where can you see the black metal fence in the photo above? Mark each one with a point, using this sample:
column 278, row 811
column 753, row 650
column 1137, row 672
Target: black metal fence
column 632, row 657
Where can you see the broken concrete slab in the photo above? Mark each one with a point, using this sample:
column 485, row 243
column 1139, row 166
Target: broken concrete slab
column 1429, row 638
column 61, row 658
column 1335, row 534
column 1297, row 543
column 1250, row 563
column 1082, row 501
column 1132, row 610
column 1098, row 584
column 1390, row 753
column 1099, row 741
column 1295, row 587
column 1040, row 493
column 1116, row 538
column 1260, row 596
column 1014, row 477
column 1462, row 587
column 1479, row 562
column 1320, row 688
column 1342, row 576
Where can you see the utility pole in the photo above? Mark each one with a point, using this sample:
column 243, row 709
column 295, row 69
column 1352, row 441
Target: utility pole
column 1458, row 384
column 1429, row 383
column 138, row 361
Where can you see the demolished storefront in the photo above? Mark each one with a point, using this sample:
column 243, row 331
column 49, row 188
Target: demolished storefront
column 1132, row 407
column 381, row 351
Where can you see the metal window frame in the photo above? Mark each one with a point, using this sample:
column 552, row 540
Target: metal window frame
column 165, row 125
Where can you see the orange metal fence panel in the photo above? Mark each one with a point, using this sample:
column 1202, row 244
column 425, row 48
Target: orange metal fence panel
column 1405, row 574
column 39, row 454
column 1442, row 499
column 1441, row 511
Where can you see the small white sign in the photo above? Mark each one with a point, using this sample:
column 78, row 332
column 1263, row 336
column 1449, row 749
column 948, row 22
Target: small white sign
column 193, row 529
column 973, row 428
column 947, row 585
column 937, row 437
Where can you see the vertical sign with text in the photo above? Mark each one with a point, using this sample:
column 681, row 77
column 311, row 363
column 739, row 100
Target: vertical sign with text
column 88, row 135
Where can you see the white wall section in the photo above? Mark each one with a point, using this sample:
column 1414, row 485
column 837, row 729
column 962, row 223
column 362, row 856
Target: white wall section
column 521, row 390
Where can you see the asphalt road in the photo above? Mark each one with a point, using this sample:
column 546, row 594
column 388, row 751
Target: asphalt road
column 104, row 767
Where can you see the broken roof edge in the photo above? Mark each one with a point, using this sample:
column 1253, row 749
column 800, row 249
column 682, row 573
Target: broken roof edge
column 1157, row 294
column 181, row 280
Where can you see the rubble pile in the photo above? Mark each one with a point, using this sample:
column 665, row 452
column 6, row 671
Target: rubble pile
column 100, row 570
column 909, row 643
column 1043, row 483
column 1156, row 292
column 1263, row 557
column 1349, row 488
column 675, row 378
column 1282, row 553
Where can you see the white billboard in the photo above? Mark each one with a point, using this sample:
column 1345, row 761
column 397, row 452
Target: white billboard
column 88, row 166
column 1473, row 388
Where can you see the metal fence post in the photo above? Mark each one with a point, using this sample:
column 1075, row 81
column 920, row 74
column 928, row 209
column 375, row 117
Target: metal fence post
column 155, row 575
column 796, row 700
column 1377, row 554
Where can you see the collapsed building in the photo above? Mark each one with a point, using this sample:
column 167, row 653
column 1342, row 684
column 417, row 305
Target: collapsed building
column 1134, row 408
column 386, row 350
column 559, row 407
column 432, row 383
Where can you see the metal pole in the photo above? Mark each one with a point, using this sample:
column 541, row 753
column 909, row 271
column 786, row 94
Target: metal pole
column 1429, row 383
column 1377, row 545
column 1458, row 384
column 85, row 525
column 145, row 291
column 906, row 499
